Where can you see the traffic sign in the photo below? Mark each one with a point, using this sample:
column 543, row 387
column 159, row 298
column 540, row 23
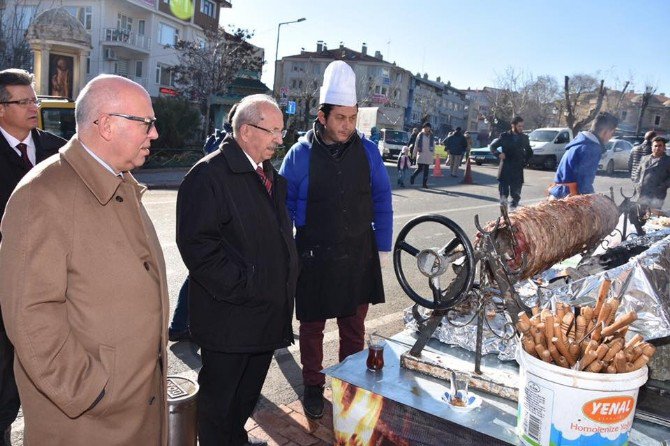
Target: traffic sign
column 290, row 108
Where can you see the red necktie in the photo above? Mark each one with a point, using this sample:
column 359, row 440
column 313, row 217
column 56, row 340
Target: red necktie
column 24, row 154
column 264, row 179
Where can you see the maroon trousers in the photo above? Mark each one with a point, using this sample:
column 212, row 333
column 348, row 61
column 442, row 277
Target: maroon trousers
column 352, row 340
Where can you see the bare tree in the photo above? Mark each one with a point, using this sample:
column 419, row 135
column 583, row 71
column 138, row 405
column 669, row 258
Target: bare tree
column 209, row 68
column 617, row 105
column 573, row 92
column 518, row 93
column 649, row 91
column 305, row 92
column 15, row 17
column 541, row 94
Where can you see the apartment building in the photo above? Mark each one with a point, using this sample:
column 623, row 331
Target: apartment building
column 627, row 109
column 444, row 106
column 131, row 38
column 379, row 83
column 404, row 100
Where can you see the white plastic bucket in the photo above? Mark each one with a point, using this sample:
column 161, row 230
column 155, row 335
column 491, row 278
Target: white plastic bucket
column 559, row 406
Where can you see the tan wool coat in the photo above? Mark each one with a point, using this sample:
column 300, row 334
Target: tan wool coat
column 84, row 300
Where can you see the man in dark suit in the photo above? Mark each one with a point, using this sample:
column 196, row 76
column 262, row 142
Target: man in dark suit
column 21, row 147
column 235, row 237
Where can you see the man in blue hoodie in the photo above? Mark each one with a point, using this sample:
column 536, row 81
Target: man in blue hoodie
column 577, row 169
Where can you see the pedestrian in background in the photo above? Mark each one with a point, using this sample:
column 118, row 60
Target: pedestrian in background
column 235, row 237
column 577, row 170
column 654, row 175
column 456, row 145
column 639, row 151
column 468, row 139
column 84, row 291
column 403, row 165
column 339, row 200
column 22, row 145
column 423, row 152
column 514, row 154
column 410, row 144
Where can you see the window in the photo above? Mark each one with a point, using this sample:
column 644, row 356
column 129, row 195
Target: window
column 141, row 25
column 86, row 16
column 208, row 7
column 167, row 35
column 657, row 120
column 380, row 90
column 138, row 68
column 164, row 75
column 88, row 65
column 624, row 113
column 124, row 22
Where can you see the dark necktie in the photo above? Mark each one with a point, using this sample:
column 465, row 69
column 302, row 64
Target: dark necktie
column 264, row 179
column 24, row 154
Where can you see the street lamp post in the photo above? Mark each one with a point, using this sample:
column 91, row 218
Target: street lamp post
column 274, row 82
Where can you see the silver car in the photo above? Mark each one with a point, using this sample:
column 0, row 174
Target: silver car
column 615, row 156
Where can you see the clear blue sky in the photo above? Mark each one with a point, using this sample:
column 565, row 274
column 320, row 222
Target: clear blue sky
column 471, row 42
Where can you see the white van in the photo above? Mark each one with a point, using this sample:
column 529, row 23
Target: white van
column 548, row 146
column 391, row 142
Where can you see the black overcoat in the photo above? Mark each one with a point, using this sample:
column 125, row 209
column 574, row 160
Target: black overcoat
column 517, row 154
column 12, row 168
column 237, row 243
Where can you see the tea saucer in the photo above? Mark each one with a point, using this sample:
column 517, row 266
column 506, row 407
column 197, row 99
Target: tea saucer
column 473, row 402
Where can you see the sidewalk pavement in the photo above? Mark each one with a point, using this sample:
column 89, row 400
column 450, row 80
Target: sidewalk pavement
column 287, row 425
column 284, row 425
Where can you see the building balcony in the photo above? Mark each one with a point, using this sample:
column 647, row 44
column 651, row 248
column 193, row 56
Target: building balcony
column 114, row 37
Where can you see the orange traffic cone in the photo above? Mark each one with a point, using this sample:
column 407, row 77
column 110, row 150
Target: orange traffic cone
column 437, row 170
column 467, row 178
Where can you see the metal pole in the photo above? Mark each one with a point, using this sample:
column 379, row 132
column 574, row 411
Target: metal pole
column 274, row 82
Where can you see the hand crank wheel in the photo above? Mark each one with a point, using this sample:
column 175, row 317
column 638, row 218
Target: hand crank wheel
column 454, row 261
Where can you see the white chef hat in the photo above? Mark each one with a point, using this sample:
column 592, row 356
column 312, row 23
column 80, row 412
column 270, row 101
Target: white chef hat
column 339, row 85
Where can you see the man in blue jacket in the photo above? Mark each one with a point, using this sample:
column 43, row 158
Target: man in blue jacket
column 577, row 169
column 339, row 198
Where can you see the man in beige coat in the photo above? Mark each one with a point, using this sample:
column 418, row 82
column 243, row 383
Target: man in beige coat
column 84, row 296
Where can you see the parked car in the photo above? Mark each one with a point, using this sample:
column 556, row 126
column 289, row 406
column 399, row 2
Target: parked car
column 548, row 146
column 482, row 155
column 634, row 140
column 56, row 116
column 615, row 156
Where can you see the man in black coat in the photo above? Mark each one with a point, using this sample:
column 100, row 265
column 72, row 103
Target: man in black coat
column 653, row 175
column 513, row 150
column 456, row 145
column 21, row 147
column 235, row 237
